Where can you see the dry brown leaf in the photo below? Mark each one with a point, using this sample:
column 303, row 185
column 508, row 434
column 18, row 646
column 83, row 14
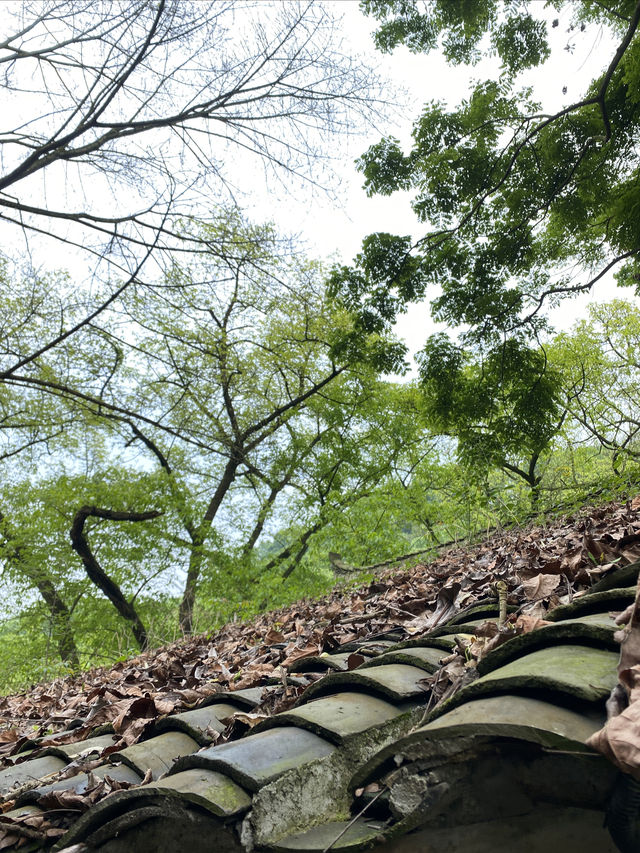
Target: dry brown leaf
column 525, row 622
column 487, row 629
column 296, row 654
column 249, row 720
column 503, row 634
column 9, row 736
column 164, row 706
column 619, row 740
column 536, row 610
column 273, row 636
column 540, row 586
column 143, row 708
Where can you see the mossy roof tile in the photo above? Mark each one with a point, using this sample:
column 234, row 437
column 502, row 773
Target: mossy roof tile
column 29, row 771
column 517, row 716
column 424, row 657
column 336, row 717
column 218, row 792
column 84, row 747
column 595, row 602
column 80, row 783
column 394, row 682
column 595, row 630
column 200, row 722
column 156, row 754
column 530, row 690
column 572, row 672
column 321, row 663
column 258, row 759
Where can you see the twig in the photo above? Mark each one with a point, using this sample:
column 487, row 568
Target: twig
column 569, row 588
column 359, row 617
column 354, row 819
column 430, row 701
column 502, row 599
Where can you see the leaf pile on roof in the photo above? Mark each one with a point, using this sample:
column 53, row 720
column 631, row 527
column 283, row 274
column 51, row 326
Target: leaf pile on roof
column 541, row 567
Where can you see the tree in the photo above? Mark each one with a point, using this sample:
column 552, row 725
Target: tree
column 600, row 369
column 220, row 376
column 157, row 97
column 215, row 375
column 97, row 574
column 121, row 119
column 374, row 428
column 18, row 558
column 522, row 205
column 387, row 458
column 503, row 410
column 128, row 570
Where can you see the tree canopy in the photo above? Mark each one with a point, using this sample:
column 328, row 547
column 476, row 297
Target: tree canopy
column 522, row 205
column 136, row 109
column 122, row 119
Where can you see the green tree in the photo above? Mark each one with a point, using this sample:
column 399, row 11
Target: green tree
column 222, row 379
column 374, row 429
column 222, row 375
column 504, row 409
column 600, row 370
column 18, row 559
column 37, row 557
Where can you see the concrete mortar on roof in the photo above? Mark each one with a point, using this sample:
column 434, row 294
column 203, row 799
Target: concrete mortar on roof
column 319, row 791
column 409, row 793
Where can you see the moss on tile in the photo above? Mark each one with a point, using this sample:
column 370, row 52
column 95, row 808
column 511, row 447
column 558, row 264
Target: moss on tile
column 595, row 602
column 559, row 634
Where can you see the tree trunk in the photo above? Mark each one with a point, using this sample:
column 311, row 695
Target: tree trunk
column 97, row 574
column 259, row 525
column 60, row 615
column 302, row 550
column 185, row 613
column 61, row 621
column 301, row 544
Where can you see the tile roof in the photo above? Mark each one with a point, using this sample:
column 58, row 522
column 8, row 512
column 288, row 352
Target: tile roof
column 361, row 760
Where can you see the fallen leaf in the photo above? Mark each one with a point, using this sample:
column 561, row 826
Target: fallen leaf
column 249, row 720
column 540, row 586
column 9, row 736
column 525, row 623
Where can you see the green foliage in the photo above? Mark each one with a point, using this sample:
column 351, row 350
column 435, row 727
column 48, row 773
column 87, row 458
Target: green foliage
column 512, row 194
column 458, row 26
column 601, row 377
column 504, row 409
column 218, row 397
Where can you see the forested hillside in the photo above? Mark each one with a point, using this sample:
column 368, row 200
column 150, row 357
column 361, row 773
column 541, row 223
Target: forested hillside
column 200, row 420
